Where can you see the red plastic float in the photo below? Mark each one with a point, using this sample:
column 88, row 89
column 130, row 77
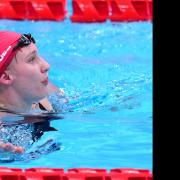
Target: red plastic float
column 129, row 173
column 75, row 173
column 44, row 173
column 90, row 10
column 33, row 9
column 131, row 10
column 86, row 170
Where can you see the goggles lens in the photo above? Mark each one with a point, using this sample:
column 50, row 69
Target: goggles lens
column 24, row 40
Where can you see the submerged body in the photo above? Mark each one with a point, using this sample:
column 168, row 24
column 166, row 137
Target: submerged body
column 20, row 132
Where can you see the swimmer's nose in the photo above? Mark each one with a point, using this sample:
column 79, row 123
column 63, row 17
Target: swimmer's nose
column 44, row 65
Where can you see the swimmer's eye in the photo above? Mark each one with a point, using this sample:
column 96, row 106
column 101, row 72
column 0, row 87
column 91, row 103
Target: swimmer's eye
column 31, row 59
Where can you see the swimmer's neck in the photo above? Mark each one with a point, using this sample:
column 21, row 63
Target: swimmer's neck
column 19, row 108
column 15, row 104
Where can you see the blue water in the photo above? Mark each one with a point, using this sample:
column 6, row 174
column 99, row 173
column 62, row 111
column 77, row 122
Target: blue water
column 106, row 73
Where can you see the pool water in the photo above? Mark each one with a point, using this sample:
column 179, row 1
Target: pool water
column 106, row 72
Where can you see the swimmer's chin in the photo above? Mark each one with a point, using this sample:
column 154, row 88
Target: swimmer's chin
column 52, row 88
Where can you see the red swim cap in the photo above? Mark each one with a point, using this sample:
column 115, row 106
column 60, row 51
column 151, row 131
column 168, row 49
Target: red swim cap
column 8, row 41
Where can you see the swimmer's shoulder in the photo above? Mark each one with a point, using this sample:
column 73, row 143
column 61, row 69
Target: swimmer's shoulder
column 43, row 104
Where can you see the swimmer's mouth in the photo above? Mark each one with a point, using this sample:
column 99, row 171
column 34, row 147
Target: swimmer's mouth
column 45, row 82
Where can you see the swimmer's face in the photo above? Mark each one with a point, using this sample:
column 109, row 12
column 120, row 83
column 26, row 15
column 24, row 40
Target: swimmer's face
column 29, row 74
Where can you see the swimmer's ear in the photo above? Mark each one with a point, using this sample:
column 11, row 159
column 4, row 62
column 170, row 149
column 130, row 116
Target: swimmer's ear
column 6, row 78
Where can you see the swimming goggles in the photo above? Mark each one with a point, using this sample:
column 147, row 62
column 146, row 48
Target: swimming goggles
column 24, row 40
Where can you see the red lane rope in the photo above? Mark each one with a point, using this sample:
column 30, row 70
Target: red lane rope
column 83, row 10
column 74, row 173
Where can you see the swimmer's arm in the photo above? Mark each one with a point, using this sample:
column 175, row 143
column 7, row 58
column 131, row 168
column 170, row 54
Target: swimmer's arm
column 8, row 147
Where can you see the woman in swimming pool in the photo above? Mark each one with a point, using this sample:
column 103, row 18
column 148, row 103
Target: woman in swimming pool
column 23, row 78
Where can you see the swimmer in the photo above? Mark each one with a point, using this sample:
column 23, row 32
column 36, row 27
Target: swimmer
column 24, row 81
